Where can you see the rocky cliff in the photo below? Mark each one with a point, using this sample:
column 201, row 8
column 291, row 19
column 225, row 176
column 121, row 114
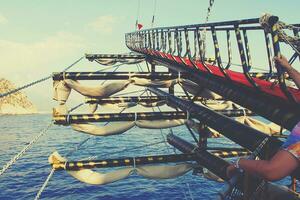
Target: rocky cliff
column 16, row 103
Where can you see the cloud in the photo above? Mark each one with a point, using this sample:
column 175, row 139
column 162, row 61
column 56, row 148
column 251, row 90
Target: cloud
column 103, row 24
column 43, row 56
column 3, row 19
column 23, row 62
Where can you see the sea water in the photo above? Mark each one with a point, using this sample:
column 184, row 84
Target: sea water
column 24, row 179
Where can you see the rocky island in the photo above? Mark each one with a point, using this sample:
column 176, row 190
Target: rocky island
column 16, row 103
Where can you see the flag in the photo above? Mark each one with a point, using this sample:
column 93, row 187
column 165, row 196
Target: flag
column 139, row 26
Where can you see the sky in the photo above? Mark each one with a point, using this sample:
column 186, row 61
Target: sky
column 40, row 37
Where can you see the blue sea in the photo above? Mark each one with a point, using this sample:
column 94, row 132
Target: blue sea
column 24, row 179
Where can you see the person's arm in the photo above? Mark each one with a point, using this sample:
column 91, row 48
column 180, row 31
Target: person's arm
column 293, row 73
column 254, row 167
column 282, row 164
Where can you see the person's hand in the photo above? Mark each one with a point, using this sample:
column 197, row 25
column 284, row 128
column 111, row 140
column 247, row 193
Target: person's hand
column 281, row 61
column 231, row 170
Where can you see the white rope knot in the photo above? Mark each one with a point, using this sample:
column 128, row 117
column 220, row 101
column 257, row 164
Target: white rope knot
column 130, row 76
column 68, row 118
column 134, row 163
column 65, row 165
column 264, row 22
column 244, row 112
column 179, row 76
column 293, row 41
column 135, row 117
column 187, row 115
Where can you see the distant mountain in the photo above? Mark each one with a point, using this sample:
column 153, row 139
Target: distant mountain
column 16, row 103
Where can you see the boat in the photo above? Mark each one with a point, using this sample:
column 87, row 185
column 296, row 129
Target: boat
column 217, row 99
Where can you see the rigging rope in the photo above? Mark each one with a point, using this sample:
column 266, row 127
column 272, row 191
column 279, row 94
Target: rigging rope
column 68, row 154
column 38, row 195
column 76, row 147
column 21, row 153
column 203, row 38
column 166, row 143
column 117, row 67
column 133, row 92
column 43, row 132
column 153, row 16
column 37, row 81
column 293, row 42
column 111, row 67
column 137, row 15
column 125, row 150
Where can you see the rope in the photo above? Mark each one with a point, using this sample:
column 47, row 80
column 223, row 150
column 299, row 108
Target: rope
column 92, row 136
column 257, row 68
column 134, row 163
column 21, row 153
column 110, row 67
column 84, row 141
column 74, row 108
column 37, row 81
column 189, row 191
column 135, row 117
column 71, row 151
column 38, row 195
column 164, row 140
column 294, row 42
column 133, row 92
column 203, row 38
column 87, row 139
column 137, row 15
column 25, row 86
column 125, row 150
column 117, row 67
column 153, row 16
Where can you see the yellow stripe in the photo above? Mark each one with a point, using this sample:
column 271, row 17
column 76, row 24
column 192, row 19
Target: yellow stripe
column 92, row 163
column 103, row 163
column 78, row 74
column 259, row 75
column 235, row 153
column 115, row 161
column 225, row 153
column 79, row 164
column 127, row 161
column 105, row 116
column 85, row 117
column 74, row 117
column 275, row 38
column 150, row 158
